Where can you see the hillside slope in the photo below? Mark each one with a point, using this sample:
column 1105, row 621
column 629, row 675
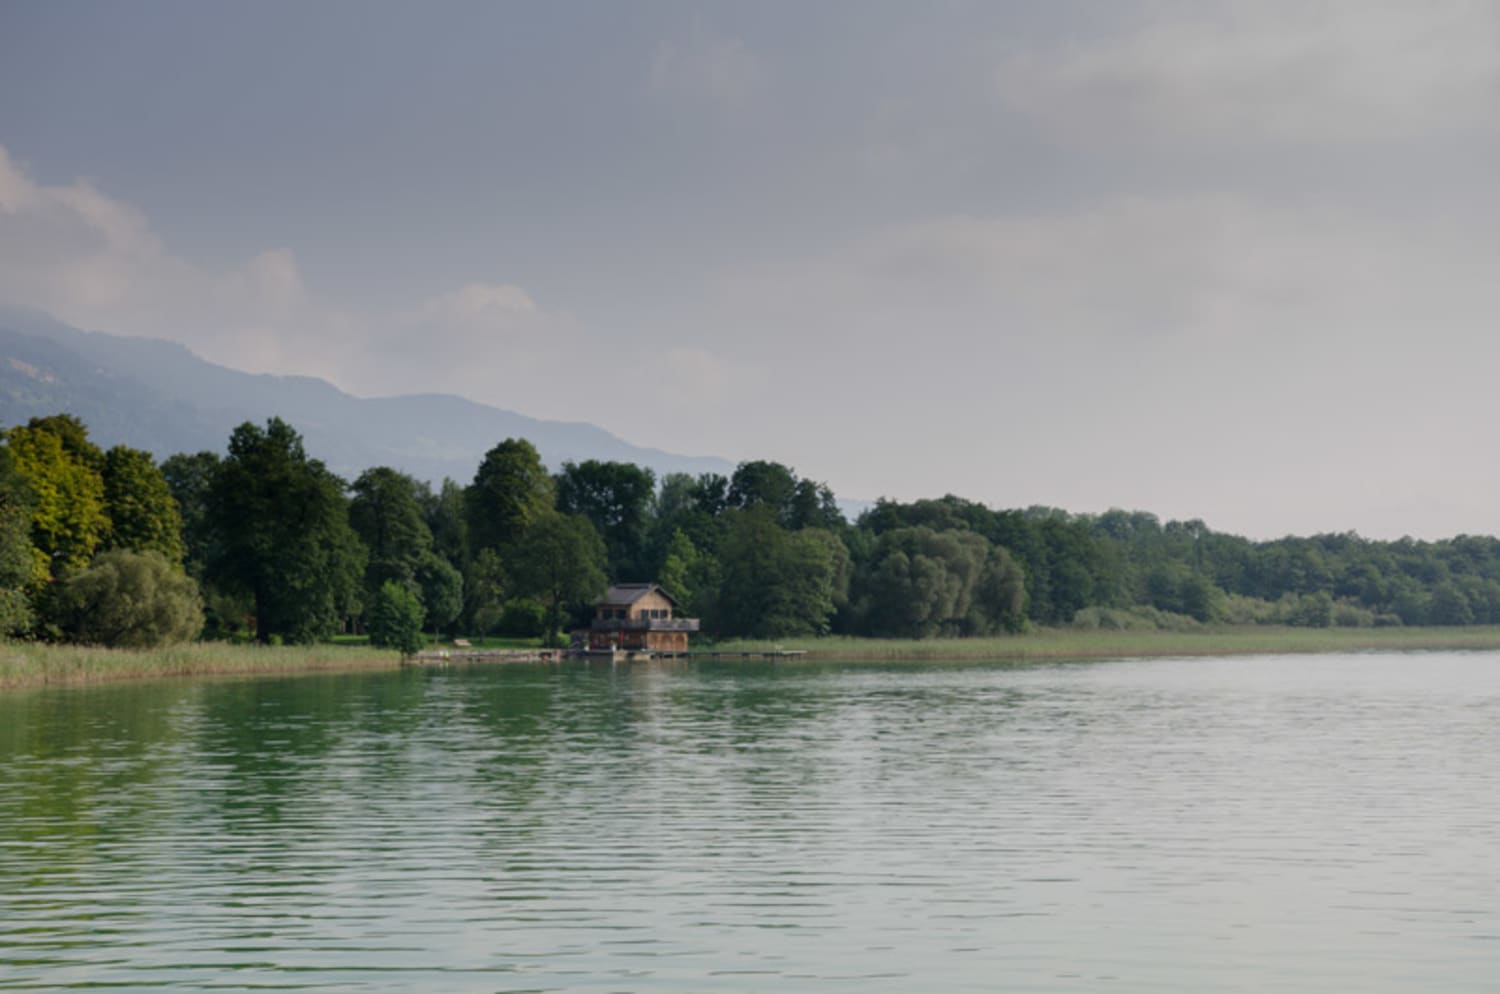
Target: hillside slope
column 158, row 396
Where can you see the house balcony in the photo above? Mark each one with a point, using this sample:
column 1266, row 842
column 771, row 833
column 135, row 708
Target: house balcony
column 644, row 624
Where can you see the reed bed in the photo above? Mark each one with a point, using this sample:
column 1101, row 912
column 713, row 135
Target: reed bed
column 1096, row 644
column 27, row 664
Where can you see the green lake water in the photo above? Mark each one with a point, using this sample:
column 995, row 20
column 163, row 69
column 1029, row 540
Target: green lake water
column 1305, row 823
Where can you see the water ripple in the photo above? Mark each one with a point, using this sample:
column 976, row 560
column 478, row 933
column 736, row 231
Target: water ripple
column 1275, row 824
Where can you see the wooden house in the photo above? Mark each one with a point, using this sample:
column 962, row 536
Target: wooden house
column 639, row 617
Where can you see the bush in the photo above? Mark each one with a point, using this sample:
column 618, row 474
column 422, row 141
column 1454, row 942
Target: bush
column 1347, row 614
column 1242, row 610
column 395, row 619
column 1306, row 610
column 523, row 618
column 1140, row 618
column 128, row 599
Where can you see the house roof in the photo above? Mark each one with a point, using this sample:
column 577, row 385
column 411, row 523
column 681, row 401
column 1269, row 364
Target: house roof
column 624, row 594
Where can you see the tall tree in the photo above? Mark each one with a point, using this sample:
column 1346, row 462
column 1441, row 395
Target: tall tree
column 74, row 436
column 188, row 478
column 677, row 567
column 141, row 508
column 560, row 563
column 69, row 521
column 616, row 498
column 484, row 589
column 920, row 583
column 442, row 588
column 775, row 582
column 812, row 505
column 385, row 514
column 283, row 536
column 763, row 482
column 511, row 490
column 447, row 520
column 16, row 563
column 710, row 492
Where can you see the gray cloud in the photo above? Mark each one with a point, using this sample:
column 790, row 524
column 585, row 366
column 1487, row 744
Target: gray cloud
column 1230, row 260
column 102, row 267
column 1253, row 70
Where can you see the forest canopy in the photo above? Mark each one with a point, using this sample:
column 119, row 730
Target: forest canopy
column 262, row 541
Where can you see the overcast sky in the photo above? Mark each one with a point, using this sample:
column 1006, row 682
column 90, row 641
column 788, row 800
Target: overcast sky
column 1230, row 260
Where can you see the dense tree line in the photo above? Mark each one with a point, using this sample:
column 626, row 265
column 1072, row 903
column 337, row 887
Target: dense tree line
column 264, row 542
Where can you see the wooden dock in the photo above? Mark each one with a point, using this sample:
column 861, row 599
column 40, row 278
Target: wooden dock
column 430, row 657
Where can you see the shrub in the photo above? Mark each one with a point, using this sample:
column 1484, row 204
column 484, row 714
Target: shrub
column 1140, row 618
column 523, row 618
column 395, row 619
column 1347, row 614
column 132, row 600
column 1242, row 610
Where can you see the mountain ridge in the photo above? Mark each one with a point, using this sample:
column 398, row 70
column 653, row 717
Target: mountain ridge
column 158, row 395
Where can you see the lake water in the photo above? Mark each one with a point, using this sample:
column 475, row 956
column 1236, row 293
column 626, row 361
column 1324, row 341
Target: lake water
column 1308, row 823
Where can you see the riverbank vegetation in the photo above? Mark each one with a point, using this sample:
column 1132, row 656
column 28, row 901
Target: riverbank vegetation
column 35, row 664
column 263, row 543
column 1073, row 643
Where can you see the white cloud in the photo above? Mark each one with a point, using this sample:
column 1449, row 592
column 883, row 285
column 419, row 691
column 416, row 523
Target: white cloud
column 94, row 262
column 1189, row 270
column 481, row 302
column 1273, row 69
column 1199, row 356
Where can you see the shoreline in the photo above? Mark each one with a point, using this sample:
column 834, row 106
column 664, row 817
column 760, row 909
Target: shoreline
column 26, row 665
column 1066, row 643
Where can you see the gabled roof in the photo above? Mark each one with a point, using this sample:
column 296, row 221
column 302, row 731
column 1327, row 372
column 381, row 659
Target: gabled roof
column 625, row 594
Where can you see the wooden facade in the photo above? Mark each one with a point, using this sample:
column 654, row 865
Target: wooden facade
column 639, row 617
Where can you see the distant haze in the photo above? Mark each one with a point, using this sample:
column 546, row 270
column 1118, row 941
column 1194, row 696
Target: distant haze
column 1232, row 259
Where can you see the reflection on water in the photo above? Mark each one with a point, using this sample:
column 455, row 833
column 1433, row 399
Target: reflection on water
column 1268, row 824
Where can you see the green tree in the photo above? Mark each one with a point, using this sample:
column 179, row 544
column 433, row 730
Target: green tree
column 188, row 478
column 484, row 592
column 281, row 522
column 442, row 589
column 812, row 505
column 73, row 434
column 131, row 599
column 385, row 514
column 511, row 490
column 1174, row 586
column 762, row 482
column 142, row 511
column 16, row 559
column 1000, row 600
column 447, row 520
column 68, row 517
column 560, row 563
column 616, row 498
column 677, row 567
column 1450, row 606
column 920, row 583
column 690, row 506
column 775, row 582
column 395, row 619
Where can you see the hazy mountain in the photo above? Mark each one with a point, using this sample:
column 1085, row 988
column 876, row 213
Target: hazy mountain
column 158, row 396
